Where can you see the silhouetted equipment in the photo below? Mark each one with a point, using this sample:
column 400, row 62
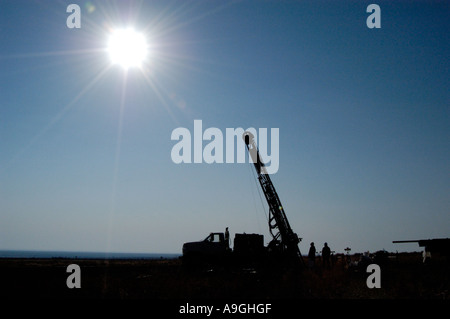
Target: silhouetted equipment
column 213, row 246
column 284, row 240
column 436, row 245
column 248, row 245
column 284, row 243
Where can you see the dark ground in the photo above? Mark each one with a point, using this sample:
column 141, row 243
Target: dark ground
column 402, row 277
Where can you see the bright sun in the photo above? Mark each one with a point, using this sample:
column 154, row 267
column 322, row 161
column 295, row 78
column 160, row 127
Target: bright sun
column 127, row 48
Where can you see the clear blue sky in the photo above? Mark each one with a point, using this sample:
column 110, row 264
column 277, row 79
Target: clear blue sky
column 363, row 117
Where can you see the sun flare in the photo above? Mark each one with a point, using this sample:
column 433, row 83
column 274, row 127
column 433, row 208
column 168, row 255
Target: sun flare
column 127, row 48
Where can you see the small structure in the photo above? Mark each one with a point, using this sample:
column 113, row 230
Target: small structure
column 439, row 246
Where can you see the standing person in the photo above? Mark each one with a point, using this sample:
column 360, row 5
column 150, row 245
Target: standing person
column 326, row 252
column 311, row 255
column 227, row 238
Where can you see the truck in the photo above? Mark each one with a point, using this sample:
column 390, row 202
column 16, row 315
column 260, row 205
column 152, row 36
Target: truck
column 284, row 243
column 216, row 248
column 214, row 245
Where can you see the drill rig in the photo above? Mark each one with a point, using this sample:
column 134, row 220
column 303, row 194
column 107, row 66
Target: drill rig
column 282, row 247
column 284, row 240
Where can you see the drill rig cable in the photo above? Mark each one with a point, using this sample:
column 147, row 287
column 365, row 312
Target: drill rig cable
column 255, row 178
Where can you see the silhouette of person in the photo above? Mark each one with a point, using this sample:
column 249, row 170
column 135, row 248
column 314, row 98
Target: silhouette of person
column 326, row 252
column 227, row 237
column 311, row 255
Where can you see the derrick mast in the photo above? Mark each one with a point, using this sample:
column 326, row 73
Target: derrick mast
column 284, row 239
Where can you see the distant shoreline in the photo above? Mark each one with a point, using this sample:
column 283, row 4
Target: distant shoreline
column 83, row 255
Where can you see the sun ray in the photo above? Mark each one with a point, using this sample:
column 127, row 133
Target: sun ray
column 53, row 53
column 194, row 19
column 116, row 163
column 58, row 116
column 159, row 96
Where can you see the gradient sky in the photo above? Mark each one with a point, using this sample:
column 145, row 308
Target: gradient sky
column 363, row 117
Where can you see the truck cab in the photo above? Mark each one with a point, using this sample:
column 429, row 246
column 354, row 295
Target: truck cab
column 214, row 245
